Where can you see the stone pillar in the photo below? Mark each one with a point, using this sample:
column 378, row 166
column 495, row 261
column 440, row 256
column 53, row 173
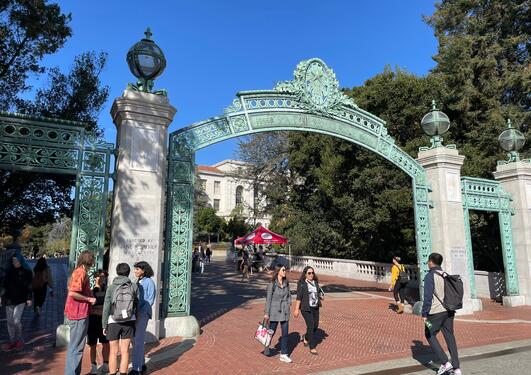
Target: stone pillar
column 141, row 121
column 443, row 173
column 515, row 179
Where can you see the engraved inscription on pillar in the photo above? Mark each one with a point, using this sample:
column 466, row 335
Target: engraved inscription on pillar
column 453, row 187
column 459, row 260
column 144, row 154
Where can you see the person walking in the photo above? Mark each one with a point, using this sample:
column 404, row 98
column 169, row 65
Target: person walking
column 208, row 253
column 277, row 309
column 95, row 329
column 42, row 280
column 77, row 310
column 309, row 300
column 118, row 318
column 436, row 318
column 399, row 280
column 147, row 293
column 17, row 285
column 245, row 266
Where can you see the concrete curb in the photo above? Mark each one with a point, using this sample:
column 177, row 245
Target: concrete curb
column 409, row 365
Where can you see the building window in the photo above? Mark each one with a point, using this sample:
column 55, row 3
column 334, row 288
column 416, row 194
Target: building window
column 216, row 205
column 217, row 187
column 239, row 195
column 203, row 184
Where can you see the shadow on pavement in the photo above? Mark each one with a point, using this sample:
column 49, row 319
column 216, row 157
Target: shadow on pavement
column 423, row 354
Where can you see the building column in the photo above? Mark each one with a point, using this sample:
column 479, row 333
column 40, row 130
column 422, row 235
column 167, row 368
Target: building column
column 443, row 173
column 141, row 121
column 515, row 179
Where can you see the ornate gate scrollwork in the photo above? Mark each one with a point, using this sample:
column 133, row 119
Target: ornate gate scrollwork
column 487, row 195
column 38, row 144
column 311, row 102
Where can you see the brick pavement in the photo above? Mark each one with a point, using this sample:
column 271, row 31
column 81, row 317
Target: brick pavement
column 357, row 327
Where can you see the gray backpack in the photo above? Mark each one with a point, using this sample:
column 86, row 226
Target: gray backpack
column 123, row 302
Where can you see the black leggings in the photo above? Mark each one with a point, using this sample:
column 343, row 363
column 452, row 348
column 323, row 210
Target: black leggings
column 399, row 290
column 39, row 296
column 312, row 323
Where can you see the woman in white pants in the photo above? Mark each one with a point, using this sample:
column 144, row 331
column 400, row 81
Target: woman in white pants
column 146, row 299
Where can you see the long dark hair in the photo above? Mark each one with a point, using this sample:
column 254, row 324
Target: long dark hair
column 274, row 277
column 41, row 265
column 303, row 274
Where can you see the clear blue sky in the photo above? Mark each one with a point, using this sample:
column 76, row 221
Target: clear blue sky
column 215, row 48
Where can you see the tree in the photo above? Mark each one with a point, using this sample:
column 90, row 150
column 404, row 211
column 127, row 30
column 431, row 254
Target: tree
column 36, row 29
column 484, row 59
column 29, row 30
column 207, row 221
column 236, row 226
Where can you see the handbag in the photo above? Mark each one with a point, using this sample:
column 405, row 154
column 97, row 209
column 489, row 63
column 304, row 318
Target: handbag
column 263, row 334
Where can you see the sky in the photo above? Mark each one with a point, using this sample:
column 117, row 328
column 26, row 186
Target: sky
column 215, row 48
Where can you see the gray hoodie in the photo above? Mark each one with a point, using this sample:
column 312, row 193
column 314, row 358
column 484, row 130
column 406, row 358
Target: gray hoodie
column 107, row 305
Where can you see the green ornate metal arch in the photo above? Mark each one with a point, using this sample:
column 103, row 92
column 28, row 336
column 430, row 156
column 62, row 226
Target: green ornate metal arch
column 311, row 102
column 487, row 195
column 38, row 144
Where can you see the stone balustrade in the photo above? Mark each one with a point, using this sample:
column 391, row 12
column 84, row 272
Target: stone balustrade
column 488, row 284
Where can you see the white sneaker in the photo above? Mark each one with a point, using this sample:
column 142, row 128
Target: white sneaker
column 285, row 358
column 104, row 369
column 457, row 371
column 444, row 368
column 93, row 369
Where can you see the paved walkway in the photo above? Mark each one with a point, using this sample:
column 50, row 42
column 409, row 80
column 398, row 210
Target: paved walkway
column 357, row 327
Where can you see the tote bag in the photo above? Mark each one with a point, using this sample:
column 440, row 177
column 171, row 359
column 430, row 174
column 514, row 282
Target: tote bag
column 263, row 334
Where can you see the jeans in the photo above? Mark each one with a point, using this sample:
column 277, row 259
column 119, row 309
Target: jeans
column 443, row 322
column 312, row 323
column 14, row 321
column 284, row 326
column 74, row 353
column 138, row 343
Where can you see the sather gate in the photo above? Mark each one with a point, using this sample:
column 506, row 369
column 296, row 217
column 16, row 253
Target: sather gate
column 311, row 102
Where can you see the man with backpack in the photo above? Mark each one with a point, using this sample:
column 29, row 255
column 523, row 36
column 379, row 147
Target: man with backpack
column 118, row 319
column 443, row 295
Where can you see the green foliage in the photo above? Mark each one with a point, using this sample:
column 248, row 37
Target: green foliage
column 29, row 30
column 236, row 226
column 207, row 221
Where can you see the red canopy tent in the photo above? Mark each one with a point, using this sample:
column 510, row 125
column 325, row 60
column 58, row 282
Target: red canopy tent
column 261, row 236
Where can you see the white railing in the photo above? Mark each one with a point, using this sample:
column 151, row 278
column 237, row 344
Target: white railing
column 488, row 284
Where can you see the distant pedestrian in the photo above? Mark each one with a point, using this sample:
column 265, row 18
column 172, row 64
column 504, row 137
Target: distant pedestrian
column 437, row 318
column 147, row 294
column 95, row 329
column 399, row 280
column 118, row 320
column 245, row 265
column 77, row 310
column 202, row 260
column 12, row 249
column 17, row 285
column 42, row 280
column 195, row 259
column 277, row 310
column 202, row 253
column 309, row 300
column 208, row 254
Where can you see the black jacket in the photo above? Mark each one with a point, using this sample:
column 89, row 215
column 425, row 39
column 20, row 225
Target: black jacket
column 304, row 297
column 18, row 286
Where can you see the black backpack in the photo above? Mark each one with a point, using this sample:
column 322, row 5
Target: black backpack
column 453, row 292
column 403, row 276
column 123, row 302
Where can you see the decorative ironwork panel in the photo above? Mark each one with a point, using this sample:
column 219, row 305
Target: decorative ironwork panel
column 487, row 195
column 313, row 102
column 38, row 144
column 179, row 231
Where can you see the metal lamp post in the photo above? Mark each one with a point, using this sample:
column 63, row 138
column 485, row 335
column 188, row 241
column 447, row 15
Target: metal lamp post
column 147, row 62
column 435, row 123
column 511, row 140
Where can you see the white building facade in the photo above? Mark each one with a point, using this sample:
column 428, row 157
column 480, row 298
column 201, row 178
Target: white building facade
column 227, row 187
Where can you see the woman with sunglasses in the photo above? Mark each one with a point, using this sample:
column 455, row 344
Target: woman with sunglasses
column 309, row 297
column 277, row 309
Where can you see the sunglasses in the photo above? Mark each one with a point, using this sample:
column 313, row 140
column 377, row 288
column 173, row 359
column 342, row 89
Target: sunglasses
column 309, row 273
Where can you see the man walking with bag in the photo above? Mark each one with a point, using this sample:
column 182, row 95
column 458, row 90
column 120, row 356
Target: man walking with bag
column 438, row 312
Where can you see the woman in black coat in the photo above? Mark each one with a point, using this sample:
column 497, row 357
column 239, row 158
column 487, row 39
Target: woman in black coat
column 309, row 300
